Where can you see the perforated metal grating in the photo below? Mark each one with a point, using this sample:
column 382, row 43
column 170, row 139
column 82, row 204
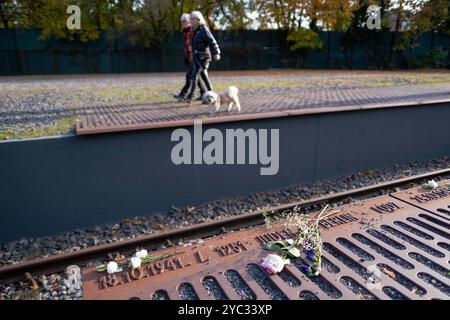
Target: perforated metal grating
column 276, row 103
column 389, row 247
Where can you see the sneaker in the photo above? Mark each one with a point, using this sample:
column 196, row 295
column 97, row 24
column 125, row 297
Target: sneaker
column 179, row 97
column 186, row 99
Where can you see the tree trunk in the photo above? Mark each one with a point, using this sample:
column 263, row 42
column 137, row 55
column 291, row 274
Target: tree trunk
column 97, row 15
column 3, row 18
column 313, row 25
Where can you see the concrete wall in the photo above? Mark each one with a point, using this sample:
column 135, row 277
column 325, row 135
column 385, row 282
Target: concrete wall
column 55, row 184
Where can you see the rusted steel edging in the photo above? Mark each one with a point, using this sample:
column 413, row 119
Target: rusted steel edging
column 80, row 130
column 59, row 262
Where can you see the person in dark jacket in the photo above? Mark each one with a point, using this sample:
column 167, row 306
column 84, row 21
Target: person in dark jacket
column 186, row 25
column 204, row 47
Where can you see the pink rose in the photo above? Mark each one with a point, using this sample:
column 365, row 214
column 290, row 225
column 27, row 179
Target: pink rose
column 273, row 263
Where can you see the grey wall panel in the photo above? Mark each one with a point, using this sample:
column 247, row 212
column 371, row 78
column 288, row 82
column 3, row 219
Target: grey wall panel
column 55, row 184
column 375, row 138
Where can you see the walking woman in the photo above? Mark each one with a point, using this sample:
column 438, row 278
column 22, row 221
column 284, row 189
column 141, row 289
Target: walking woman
column 204, row 46
column 185, row 20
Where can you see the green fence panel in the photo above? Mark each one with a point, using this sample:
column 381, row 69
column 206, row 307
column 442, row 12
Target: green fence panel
column 22, row 51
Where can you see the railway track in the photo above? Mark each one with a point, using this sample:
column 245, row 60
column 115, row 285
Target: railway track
column 82, row 257
column 393, row 246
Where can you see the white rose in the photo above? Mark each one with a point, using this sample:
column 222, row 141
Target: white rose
column 112, row 267
column 141, row 254
column 433, row 184
column 135, row 262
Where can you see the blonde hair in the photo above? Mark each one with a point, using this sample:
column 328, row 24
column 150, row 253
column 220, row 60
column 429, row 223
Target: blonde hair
column 198, row 15
column 185, row 17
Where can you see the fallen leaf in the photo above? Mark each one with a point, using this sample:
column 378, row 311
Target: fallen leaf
column 190, row 209
column 163, row 227
column 360, row 296
column 133, row 222
column 389, row 273
column 34, row 285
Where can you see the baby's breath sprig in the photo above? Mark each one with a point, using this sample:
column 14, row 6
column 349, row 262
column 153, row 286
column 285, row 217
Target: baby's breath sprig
column 307, row 241
column 268, row 219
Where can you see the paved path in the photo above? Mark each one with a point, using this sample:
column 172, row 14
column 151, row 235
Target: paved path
column 42, row 103
column 282, row 99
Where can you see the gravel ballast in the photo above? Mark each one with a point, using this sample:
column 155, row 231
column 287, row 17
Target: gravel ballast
column 56, row 286
column 28, row 249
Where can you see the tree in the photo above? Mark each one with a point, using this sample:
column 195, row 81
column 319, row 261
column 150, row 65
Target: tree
column 234, row 14
column 432, row 15
column 285, row 15
column 51, row 18
column 18, row 13
column 152, row 22
column 334, row 15
column 121, row 13
column 8, row 10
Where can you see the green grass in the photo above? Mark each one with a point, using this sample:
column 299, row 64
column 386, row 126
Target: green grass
column 140, row 94
column 162, row 92
column 62, row 126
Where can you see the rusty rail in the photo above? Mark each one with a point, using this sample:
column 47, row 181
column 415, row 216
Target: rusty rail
column 379, row 248
column 57, row 263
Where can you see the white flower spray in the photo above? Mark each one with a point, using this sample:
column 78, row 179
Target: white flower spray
column 307, row 242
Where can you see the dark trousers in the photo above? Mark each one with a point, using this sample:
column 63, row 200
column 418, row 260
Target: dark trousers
column 199, row 73
column 200, row 81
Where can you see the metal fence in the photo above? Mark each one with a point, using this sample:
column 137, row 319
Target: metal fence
column 23, row 53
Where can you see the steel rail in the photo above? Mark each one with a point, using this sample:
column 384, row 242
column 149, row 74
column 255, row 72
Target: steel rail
column 57, row 263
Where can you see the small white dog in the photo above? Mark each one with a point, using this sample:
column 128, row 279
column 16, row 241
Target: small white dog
column 230, row 98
